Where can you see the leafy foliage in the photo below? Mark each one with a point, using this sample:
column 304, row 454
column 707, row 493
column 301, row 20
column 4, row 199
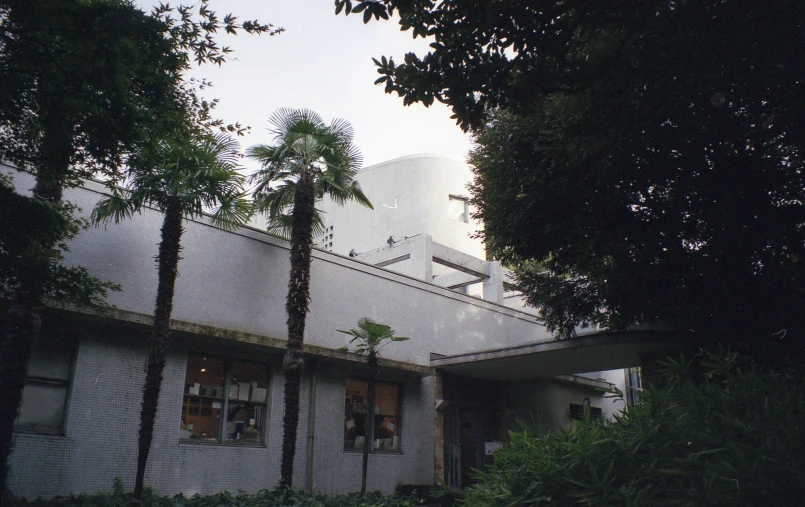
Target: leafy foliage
column 23, row 256
column 266, row 498
column 371, row 336
column 305, row 145
column 201, row 174
column 636, row 161
column 721, row 432
column 82, row 83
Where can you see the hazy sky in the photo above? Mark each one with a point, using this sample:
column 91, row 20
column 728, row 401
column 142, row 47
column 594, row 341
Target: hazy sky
column 323, row 62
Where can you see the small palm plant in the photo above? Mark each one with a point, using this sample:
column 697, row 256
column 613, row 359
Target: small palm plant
column 369, row 338
column 182, row 179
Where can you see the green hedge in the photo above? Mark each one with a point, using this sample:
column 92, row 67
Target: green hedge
column 720, row 432
column 265, row 498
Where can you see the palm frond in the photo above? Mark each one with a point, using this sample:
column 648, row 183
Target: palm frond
column 201, row 172
column 371, row 336
column 233, row 211
column 113, row 208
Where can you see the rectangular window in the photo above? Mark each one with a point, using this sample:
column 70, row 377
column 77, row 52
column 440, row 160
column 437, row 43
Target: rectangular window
column 384, row 432
column 224, row 400
column 634, row 386
column 577, row 412
column 44, row 397
column 459, row 209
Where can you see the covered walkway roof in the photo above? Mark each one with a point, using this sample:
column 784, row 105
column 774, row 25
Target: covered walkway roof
column 598, row 351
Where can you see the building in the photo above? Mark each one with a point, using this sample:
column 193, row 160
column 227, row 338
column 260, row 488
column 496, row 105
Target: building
column 470, row 368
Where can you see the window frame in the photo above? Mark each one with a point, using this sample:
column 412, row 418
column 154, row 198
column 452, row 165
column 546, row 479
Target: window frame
column 220, row 437
column 465, row 216
column 39, row 380
column 399, row 417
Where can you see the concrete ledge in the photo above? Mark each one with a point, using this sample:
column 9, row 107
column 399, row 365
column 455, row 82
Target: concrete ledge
column 593, row 352
column 277, row 344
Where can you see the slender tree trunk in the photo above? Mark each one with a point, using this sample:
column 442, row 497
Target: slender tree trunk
column 168, row 262
column 370, row 415
column 22, row 325
column 23, row 318
column 296, row 306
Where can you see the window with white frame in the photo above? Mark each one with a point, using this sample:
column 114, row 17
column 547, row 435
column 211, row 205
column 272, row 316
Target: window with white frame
column 634, row 386
column 47, row 385
column 384, row 430
column 459, row 209
column 225, row 400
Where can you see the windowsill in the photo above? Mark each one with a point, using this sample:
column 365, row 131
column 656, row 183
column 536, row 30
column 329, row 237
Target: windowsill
column 233, row 444
column 374, row 453
column 39, row 432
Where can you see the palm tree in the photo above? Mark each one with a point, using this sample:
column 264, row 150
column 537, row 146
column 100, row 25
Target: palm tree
column 370, row 336
column 181, row 179
column 308, row 160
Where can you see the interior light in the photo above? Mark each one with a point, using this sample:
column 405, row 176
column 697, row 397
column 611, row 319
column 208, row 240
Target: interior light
column 204, row 369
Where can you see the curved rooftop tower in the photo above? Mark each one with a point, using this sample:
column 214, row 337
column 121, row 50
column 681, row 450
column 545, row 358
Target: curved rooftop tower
column 412, row 195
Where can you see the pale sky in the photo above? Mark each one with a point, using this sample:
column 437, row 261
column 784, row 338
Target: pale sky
column 324, row 62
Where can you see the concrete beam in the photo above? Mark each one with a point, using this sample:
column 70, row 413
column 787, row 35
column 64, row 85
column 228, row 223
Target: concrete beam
column 456, row 280
column 459, row 261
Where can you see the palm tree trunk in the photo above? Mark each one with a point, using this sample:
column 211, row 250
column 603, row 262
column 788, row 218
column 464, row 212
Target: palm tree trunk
column 168, row 262
column 296, row 306
column 370, row 415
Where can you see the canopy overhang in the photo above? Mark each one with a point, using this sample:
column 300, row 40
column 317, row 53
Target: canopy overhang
column 599, row 351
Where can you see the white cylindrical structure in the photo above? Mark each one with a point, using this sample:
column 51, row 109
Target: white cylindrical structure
column 417, row 194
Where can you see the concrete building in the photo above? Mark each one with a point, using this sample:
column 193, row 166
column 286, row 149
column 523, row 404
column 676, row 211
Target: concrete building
column 470, row 368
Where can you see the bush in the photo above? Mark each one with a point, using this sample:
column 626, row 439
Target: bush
column 729, row 434
column 265, row 498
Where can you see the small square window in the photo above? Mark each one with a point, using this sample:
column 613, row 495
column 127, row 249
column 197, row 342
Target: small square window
column 224, row 401
column 384, row 432
column 459, row 209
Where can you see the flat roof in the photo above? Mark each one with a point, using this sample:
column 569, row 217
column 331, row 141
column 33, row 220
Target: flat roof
column 598, row 351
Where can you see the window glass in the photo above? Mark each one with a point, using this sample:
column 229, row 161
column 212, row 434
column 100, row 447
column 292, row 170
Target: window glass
column 42, row 406
column 386, row 424
column 355, row 414
column 204, row 397
column 217, row 389
column 245, row 416
column 457, row 209
column 44, row 397
column 385, row 430
column 51, row 359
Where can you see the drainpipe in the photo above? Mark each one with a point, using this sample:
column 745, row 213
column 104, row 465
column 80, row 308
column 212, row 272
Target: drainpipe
column 311, row 426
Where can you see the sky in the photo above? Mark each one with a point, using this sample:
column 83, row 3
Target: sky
column 324, row 62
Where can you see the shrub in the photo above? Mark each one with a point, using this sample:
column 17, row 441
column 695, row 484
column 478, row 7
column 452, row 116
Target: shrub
column 265, row 498
column 722, row 431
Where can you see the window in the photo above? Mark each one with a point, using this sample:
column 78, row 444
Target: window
column 44, row 397
column 634, row 386
column 459, row 209
column 577, row 412
column 385, row 428
column 224, row 400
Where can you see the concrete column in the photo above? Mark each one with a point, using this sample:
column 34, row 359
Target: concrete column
column 438, row 426
column 422, row 257
column 493, row 286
